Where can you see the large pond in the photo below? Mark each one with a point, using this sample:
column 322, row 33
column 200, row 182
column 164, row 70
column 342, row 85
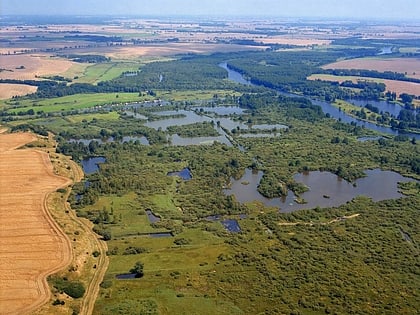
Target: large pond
column 91, row 165
column 325, row 189
column 329, row 109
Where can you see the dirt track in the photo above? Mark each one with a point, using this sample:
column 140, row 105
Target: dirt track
column 31, row 244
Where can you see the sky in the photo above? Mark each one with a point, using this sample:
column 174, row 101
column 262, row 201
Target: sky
column 356, row 9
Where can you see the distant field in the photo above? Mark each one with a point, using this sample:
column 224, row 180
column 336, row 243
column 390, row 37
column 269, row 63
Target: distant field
column 391, row 85
column 411, row 66
column 27, row 67
column 10, row 90
column 81, row 101
column 78, row 101
column 105, row 71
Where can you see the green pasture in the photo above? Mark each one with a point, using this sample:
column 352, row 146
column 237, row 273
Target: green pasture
column 74, row 102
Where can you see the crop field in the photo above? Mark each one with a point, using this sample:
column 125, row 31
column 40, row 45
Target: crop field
column 10, row 90
column 32, row 245
column 391, row 85
column 27, row 67
column 410, row 66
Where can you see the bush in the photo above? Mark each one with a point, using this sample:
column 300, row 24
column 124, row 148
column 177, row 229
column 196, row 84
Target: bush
column 74, row 289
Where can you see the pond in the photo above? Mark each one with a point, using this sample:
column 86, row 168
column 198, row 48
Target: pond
column 325, row 189
column 152, row 217
column 222, row 110
column 177, row 140
column 91, row 165
column 125, row 276
column 185, row 174
column 231, row 225
column 364, row 139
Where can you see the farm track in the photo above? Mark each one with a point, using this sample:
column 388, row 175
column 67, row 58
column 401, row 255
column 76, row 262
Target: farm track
column 92, row 289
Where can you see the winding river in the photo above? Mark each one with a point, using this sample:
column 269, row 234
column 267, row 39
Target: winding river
column 327, row 108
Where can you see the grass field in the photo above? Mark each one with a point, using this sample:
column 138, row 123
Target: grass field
column 81, row 101
column 77, row 101
column 105, row 71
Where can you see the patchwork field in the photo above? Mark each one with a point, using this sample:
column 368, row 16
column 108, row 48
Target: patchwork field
column 410, row 66
column 391, row 85
column 31, row 244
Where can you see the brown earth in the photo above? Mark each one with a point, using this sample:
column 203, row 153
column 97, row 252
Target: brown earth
column 10, row 90
column 32, row 246
column 398, row 87
column 411, row 66
column 26, row 67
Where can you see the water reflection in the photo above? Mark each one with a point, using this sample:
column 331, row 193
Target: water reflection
column 325, row 189
column 91, row 165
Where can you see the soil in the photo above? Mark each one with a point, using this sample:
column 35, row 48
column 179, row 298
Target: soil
column 32, row 246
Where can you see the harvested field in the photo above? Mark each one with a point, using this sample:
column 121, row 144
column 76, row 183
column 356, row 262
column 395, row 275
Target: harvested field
column 27, row 67
column 411, row 66
column 398, row 87
column 9, row 90
column 295, row 41
column 156, row 50
column 31, row 244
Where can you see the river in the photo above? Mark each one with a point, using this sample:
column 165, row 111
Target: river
column 327, row 108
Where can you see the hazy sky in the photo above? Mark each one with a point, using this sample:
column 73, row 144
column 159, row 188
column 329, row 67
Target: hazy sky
column 377, row 9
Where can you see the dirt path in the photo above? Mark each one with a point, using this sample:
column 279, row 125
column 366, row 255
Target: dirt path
column 32, row 245
column 346, row 217
column 92, row 290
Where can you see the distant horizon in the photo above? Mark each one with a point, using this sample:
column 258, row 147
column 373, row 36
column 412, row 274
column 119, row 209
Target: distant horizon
column 355, row 10
column 214, row 17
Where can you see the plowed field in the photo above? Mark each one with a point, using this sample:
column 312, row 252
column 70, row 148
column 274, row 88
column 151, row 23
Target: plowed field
column 31, row 244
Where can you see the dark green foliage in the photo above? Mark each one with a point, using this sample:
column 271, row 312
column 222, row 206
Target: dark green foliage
column 87, row 58
column 138, row 269
column 75, row 289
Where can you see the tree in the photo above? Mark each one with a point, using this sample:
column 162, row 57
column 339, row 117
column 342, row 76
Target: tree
column 138, row 269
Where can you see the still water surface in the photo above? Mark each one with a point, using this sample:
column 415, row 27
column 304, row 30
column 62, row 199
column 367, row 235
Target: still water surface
column 325, row 189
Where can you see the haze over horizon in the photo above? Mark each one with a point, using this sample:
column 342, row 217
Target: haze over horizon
column 347, row 9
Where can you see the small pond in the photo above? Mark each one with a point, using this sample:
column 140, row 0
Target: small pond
column 125, row 276
column 91, row 165
column 222, row 110
column 364, row 139
column 180, row 141
column 152, row 218
column 231, row 225
column 185, row 174
column 161, row 234
column 325, row 189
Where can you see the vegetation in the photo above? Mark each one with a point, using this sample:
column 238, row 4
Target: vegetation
column 358, row 258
